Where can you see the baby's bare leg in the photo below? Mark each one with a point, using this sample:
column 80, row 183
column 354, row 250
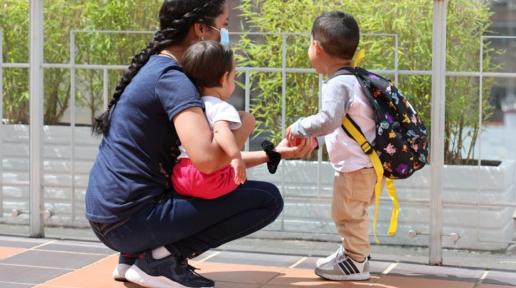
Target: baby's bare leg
column 243, row 133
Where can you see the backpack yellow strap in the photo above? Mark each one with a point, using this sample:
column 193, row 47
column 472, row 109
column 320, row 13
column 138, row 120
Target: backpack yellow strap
column 391, row 190
column 378, row 168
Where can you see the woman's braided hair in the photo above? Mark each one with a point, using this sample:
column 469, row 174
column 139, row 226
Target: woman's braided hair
column 176, row 17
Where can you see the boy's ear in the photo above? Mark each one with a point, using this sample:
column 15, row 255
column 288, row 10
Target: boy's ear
column 318, row 48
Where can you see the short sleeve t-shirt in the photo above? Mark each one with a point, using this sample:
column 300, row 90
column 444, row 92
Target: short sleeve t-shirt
column 127, row 173
column 218, row 110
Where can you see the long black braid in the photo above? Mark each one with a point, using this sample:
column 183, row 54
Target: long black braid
column 176, row 17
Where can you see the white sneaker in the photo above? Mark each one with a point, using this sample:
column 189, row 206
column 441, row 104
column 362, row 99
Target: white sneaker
column 124, row 262
column 330, row 259
column 119, row 272
column 339, row 267
column 171, row 271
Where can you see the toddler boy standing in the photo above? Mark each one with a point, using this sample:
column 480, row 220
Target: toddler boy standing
column 334, row 40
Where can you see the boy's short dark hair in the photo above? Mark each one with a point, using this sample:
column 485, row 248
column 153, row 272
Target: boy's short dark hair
column 205, row 62
column 338, row 34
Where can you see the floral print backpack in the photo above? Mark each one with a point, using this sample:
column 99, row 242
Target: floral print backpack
column 401, row 138
column 401, row 144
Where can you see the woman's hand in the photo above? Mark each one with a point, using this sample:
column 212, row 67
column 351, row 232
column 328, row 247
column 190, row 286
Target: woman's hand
column 302, row 150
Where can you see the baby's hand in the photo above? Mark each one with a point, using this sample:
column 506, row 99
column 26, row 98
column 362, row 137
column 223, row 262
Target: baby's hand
column 240, row 173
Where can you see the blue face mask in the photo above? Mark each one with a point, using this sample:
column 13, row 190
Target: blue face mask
column 224, row 36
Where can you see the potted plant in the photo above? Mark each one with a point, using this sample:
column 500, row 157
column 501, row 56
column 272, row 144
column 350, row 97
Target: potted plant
column 91, row 48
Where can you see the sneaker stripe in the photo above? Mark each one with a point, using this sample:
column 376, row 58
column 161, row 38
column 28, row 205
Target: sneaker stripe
column 351, row 266
column 343, row 268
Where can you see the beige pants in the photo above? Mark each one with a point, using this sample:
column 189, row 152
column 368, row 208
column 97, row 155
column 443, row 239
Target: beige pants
column 353, row 193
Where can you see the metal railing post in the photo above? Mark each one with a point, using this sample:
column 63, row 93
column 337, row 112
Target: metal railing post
column 247, row 100
column 283, row 82
column 480, row 96
column 319, row 151
column 437, row 130
column 1, row 125
column 105, row 88
column 283, row 108
column 36, row 118
column 396, row 60
column 72, row 121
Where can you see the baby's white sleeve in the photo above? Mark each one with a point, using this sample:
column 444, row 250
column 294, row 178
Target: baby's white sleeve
column 224, row 111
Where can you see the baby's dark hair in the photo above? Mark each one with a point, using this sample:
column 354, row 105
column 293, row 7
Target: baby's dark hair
column 205, row 62
column 338, row 34
column 175, row 17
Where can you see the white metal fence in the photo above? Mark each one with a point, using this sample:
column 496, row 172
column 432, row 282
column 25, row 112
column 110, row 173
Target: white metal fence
column 68, row 153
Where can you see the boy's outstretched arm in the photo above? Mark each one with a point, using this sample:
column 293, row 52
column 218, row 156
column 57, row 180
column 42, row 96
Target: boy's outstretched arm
column 335, row 104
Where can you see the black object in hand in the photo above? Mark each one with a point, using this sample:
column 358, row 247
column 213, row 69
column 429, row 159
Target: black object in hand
column 274, row 157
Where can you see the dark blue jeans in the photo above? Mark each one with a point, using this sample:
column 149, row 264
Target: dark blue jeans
column 191, row 226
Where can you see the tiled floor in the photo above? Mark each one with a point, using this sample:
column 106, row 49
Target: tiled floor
column 47, row 263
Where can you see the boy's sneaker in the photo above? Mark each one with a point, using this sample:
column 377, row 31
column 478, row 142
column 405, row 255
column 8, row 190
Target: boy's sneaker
column 124, row 262
column 171, row 271
column 339, row 267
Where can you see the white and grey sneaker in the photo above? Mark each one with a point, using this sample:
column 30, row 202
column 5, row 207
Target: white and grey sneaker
column 119, row 272
column 125, row 261
column 339, row 267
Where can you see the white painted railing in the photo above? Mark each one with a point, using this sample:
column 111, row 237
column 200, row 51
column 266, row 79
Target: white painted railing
column 69, row 152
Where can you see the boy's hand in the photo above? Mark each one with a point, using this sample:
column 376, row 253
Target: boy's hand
column 292, row 140
column 240, row 171
column 314, row 143
column 289, row 152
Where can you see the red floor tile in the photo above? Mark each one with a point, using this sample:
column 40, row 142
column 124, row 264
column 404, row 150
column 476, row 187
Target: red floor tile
column 6, row 252
column 237, row 273
column 307, row 278
column 386, row 281
column 96, row 275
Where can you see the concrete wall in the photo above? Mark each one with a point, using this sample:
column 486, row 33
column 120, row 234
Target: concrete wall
column 306, row 187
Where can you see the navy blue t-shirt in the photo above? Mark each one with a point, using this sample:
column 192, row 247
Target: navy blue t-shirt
column 127, row 172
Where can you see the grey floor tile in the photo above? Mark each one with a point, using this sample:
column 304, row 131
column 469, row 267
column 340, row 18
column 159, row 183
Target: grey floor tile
column 309, row 263
column 502, row 278
column 450, row 273
column 96, row 244
column 76, row 247
column 14, row 285
column 377, row 267
column 20, row 243
column 206, row 256
column 255, row 259
column 27, row 275
column 52, row 259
